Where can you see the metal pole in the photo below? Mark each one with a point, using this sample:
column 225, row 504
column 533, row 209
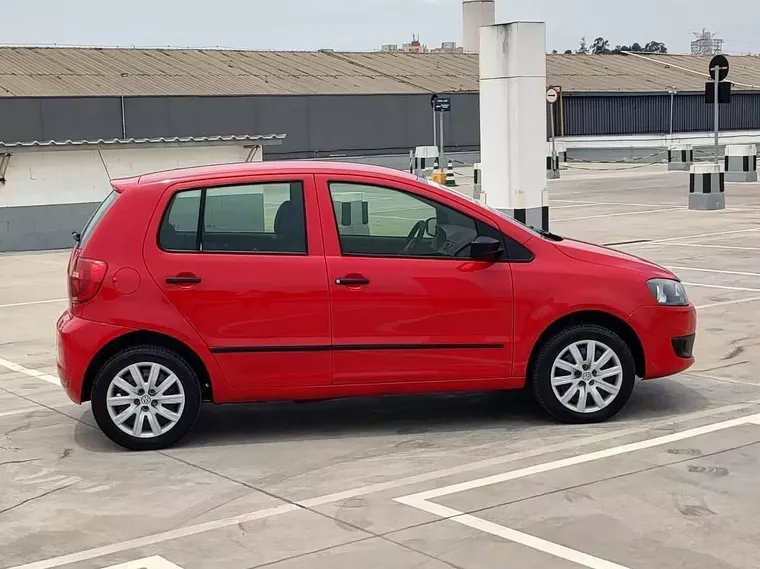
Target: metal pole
column 716, row 71
column 440, row 152
column 554, row 142
column 435, row 138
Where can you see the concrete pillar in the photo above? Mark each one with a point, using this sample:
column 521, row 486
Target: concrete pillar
column 476, row 13
column 424, row 160
column 741, row 163
column 561, row 151
column 680, row 157
column 513, row 120
column 707, row 186
column 352, row 213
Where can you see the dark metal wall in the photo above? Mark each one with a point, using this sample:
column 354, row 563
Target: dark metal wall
column 315, row 125
column 650, row 114
column 323, row 125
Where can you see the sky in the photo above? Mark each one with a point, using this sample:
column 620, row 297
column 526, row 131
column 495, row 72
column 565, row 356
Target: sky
column 364, row 24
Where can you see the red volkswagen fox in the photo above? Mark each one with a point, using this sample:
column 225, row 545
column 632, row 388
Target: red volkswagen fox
column 307, row 280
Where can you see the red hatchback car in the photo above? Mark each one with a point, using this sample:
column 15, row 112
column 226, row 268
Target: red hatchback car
column 310, row 281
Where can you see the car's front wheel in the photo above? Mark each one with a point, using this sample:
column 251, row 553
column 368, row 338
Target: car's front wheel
column 146, row 398
column 583, row 374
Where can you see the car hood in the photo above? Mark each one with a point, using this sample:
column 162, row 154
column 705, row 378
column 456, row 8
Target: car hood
column 599, row 255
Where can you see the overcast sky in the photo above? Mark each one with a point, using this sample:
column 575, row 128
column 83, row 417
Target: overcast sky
column 364, row 24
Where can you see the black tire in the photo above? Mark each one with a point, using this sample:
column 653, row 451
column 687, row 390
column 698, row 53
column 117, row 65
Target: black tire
column 149, row 354
column 540, row 380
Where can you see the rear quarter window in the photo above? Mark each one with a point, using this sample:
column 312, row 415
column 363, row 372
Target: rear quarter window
column 97, row 215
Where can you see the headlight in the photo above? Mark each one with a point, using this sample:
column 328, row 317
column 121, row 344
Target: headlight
column 668, row 292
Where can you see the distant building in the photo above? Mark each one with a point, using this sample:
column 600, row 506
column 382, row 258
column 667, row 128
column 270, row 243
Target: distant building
column 706, row 43
column 415, row 46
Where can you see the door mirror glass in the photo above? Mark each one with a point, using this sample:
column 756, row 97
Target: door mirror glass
column 485, row 248
column 431, row 226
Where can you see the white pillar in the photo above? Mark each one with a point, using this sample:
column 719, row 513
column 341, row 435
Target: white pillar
column 476, row 13
column 513, row 120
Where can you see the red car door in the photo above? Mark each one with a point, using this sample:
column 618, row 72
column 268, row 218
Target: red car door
column 250, row 277
column 411, row 314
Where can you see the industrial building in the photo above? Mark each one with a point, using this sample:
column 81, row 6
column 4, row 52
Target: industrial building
column 338, row 103
column 70, row 119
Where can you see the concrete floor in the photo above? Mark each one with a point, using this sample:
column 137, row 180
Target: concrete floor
column 467, row 481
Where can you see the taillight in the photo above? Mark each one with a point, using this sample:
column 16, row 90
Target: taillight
column 85, row 278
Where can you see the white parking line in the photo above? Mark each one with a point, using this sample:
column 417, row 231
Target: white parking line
column 19, row 411
column 715, row 271
column 728, row 303
column 30, row 372
column 652, row 205
column 373, row 489
column 421, row 500
column 639, row 212
column 721, row 287
column 702, row 235
column 14, row 304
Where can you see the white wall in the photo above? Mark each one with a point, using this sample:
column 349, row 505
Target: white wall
column 82, row 176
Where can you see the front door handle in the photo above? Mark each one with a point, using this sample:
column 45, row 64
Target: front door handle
column 351, row 281
column 183, row 280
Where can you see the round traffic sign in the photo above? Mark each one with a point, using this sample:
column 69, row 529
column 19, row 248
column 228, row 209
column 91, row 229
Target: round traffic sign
column 433, row 99
column 552, row 95
column 720, row 61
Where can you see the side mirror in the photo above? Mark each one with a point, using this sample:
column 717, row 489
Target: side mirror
column 485, row 249
column 431, row 226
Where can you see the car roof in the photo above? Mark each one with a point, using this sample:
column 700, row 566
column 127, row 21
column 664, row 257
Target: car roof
column 257, row 168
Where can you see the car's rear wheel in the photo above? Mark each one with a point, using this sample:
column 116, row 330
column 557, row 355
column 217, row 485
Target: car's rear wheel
column 146, row 398
column 583, row 374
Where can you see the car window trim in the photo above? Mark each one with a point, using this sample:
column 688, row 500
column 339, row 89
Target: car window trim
column 202, row 211
column 416, row 196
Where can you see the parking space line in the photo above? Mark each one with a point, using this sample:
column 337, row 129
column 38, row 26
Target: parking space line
column 702, row 235
column 374, row 488
column 30, row 372
column 702, row 246
column 421, row 500
column 619, row 214
column 722, row 287
column 14, row 304
column 728, row 303
column 582, row 203
column 17, row 412
column 714, row 271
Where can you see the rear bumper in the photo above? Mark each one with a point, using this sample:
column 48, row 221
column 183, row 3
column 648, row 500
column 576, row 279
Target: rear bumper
column 667, row 334
column 78, row 341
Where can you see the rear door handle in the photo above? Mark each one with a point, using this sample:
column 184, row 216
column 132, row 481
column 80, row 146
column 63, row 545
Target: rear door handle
column 183, row 279
column 351, row 281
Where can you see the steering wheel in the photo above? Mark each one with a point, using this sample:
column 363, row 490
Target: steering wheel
column 415, row 236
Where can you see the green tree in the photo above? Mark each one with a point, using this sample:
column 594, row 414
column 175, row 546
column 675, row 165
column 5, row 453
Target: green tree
column 583, row 48
column 600, row 46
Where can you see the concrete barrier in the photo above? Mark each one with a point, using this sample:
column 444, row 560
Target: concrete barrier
column 352, row 213
column 707, row 187
column 477, row 188
column 680, row 157
column 741, row 163
column 552, row 173
column 424, row 159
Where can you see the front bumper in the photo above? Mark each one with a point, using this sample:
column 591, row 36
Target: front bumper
column 667, row 334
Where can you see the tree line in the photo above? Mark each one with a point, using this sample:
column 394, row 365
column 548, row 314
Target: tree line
column 601, row 46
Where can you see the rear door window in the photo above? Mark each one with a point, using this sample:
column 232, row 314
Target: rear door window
column 250, row 218
column 95, row 218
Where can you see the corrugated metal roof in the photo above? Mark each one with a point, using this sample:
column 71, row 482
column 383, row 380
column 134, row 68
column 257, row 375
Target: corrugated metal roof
column 55, row 72
column 260, row 139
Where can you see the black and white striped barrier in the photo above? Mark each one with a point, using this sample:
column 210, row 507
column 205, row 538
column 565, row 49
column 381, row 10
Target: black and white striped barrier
column 707, row 185
column 741, row 163
column 680, row 157
column 424, row 160
column 477, row 190
column 352, row 212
